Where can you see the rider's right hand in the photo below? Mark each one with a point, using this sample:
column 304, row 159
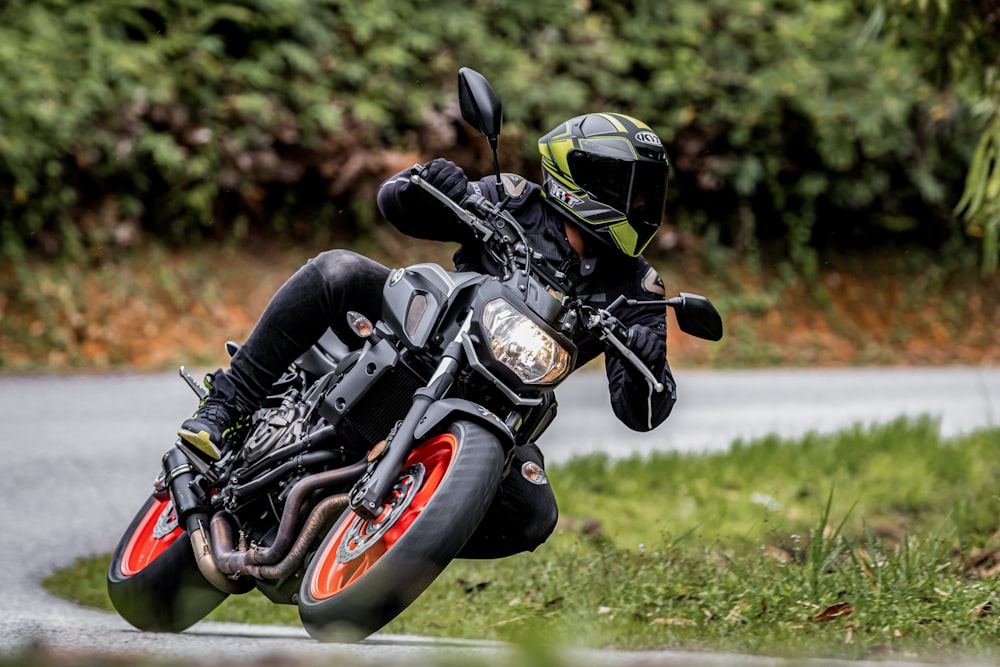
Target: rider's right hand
column 447, row 177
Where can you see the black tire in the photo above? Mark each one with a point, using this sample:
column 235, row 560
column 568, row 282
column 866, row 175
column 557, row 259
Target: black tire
column 346, row 596
column 153, row 580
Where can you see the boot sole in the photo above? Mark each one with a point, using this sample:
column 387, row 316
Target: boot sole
column 201, row 442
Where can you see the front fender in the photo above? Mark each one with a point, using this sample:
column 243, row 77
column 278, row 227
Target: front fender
column 445, row 411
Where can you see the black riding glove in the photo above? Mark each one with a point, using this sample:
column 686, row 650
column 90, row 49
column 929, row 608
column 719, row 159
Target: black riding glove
column 447, row 177
column 633, row 399
column 649, row 346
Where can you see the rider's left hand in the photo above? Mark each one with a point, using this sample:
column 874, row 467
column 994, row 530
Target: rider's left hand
column 648, row 345
column 447, row 177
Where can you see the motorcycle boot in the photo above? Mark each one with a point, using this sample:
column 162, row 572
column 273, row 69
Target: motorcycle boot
column 219, row 420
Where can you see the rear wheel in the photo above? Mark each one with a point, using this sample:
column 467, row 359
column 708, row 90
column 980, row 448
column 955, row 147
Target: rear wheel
column 366, row 572
column 153, row 580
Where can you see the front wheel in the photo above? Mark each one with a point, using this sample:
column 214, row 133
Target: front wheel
column 153, row 579
column 366, row 572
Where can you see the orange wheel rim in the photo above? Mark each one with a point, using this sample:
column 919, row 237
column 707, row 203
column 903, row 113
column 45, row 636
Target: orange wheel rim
column 157, row 530
column 358, row 544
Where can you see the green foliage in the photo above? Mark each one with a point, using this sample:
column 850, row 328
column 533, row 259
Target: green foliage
column 795, row 116
column 980, row 203
column 786, row 120
column 960, row 42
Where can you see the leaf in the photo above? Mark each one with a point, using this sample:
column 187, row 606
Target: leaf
column 983, row 563
column 983, row 610
column 735, row 614
column 839, row 610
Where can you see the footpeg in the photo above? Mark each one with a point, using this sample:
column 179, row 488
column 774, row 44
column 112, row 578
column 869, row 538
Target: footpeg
column 198, row 389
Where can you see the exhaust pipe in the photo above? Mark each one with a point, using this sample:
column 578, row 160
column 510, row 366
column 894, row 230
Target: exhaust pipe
column 290, row 545
column 241, row 563
column 202, row 548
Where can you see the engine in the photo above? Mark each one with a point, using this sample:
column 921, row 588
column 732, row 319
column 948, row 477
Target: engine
column 276, row 427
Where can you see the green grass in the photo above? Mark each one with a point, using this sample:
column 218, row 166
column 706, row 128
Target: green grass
column 871, row 541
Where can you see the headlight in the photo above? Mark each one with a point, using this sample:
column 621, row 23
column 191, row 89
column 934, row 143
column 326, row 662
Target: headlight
column 522, row 346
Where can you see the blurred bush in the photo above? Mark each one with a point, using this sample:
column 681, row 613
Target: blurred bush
column 792, row 123
column 960, row 41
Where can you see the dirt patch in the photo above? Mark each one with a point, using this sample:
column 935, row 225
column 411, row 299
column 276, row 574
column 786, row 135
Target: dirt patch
column 156, row 309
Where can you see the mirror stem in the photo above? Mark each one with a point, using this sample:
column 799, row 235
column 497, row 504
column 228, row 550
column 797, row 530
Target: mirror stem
column 494, row 142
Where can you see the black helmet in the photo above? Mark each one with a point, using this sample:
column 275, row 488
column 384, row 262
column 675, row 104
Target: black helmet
column 608, row 172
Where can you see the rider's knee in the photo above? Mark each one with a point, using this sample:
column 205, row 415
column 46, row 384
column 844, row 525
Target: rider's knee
column 336, row 262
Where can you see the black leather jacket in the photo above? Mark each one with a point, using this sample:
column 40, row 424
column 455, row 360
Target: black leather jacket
column 598, row 280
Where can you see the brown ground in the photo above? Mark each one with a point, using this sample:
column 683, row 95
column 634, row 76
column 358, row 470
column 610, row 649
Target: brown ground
column 156, row 309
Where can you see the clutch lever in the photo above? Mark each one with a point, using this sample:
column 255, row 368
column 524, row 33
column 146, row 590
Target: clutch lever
column 613, row 331
column 485, row 232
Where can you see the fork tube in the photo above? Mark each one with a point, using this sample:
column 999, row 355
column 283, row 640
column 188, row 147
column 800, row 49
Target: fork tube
column 367, row 494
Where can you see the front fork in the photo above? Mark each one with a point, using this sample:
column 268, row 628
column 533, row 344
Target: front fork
column 385, row 464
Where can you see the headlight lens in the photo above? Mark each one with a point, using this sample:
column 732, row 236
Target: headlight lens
column 522, row 346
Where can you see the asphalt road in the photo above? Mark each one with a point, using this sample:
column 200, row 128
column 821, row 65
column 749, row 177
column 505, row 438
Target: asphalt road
column 77, row 455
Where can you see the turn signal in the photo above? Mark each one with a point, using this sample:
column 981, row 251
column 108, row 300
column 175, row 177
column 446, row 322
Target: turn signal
column 360, row 324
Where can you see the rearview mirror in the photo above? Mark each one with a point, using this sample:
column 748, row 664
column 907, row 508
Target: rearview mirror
column 479, row 103
column 696, row 316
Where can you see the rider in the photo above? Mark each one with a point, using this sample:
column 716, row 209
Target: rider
column 600, row 203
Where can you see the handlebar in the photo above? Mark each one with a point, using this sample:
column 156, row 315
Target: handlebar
column 489, row 221
column 460, row 211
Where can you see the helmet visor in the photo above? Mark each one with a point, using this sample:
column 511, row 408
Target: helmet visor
column 648, row 194
column 636, row 188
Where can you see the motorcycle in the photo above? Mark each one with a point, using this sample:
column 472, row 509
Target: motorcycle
column 365, row 471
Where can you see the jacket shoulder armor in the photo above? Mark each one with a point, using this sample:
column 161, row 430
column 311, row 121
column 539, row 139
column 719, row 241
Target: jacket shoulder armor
column 517, row 187
column 514, row 185
column 650, row 282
